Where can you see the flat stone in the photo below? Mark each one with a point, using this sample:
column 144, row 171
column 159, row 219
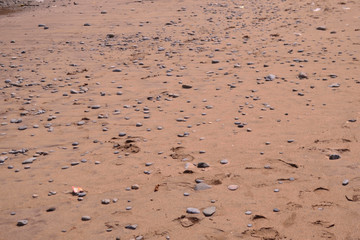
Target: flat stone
column 131, row 226
column 203, row 165
column 85, row 218
column 21, row 223
column 233, row 187
column 192, row 210
column 334, row 157
column 201, row 186
column 105, row 201
column 29, row 160
column 321, row 28
column 209, row 211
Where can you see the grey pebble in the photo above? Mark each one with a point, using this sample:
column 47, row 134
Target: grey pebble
column 29, row 160
column 192, row 210
column 224, row 161
column 345, row 182
column 105, row 201
column 21, row 223
column 85, row 218
column 131, row 226
column 209, row 211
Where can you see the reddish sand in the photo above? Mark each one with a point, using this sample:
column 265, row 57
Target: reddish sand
column 276, row 134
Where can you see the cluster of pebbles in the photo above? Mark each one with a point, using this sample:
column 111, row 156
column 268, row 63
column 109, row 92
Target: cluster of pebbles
column 184, row 120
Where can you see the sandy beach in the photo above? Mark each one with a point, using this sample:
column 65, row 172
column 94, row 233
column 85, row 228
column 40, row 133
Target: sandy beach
column 180, row 119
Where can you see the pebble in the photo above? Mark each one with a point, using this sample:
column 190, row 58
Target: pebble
column 192, row 210
column 135, row 187
column 85, row 218
column 345, row 182
column 270, row 77
column 29, row 160
column 248, row 213
column 105, row 201
column 131, row 226
column 203, row 165
column 233, row 187
column 51, row 209
column 21, row 223
column 209, row 211
column 321, row 28
column 334, row 157
column 224, row 161
column 276, row 210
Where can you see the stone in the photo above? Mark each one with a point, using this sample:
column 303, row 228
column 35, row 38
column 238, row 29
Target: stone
column 85, row 218
column 131, row 226
column 29, row 160
column 209, row 211
column 203, row 165
column 224, row 161
column 51, row 209
column 345, row 182
column 321, row 28
column 192, row 210
column 233, row 187
column 270, row 77
column 105, row 201
column 302, row 75
column 21, row 223
column 201, row 186
column 334, row 157
column 135, row 187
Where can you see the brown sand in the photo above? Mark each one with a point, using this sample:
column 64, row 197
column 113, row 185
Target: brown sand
column 160, row 46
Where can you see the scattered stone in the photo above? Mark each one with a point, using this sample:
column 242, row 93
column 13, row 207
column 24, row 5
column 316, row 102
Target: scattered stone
column 85, row 218
column 192, row 210
column 131, row 227
column 302, row 75
column 224, row 161
column 105, row 201
column 270, row 77
column 51, row 209
column 29, row 160
column 233, row 187
column 135, row 187
column 209, row 211
column 334, row 157
column 321, row 28
column 202, row 165
column 21, row 223
column 345, row 182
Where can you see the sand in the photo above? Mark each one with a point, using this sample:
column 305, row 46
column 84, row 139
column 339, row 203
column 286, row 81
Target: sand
column 136, row 102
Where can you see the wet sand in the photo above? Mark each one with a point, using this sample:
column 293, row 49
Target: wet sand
column 137, row 102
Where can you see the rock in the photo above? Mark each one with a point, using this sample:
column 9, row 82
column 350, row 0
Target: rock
column 248, row 213
column 321, row 28
column 21, row 223
column 345, row 182
column 131, row 227
column 233, row 187
column 51, row 209
column 192, row 210
column 95, row 106
column 135, row 187
column 29, row 160
column 201, row 186
column 334, row 85
column 209, row 211
column 215, row 61
column 22, row 128
column 105, row 201
column 334, row 157
column 276, row 210
column 202, row 165
column 85, row 218
column 224, row 161
column 302, row 75
column 185, row 86
column 270, row 77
